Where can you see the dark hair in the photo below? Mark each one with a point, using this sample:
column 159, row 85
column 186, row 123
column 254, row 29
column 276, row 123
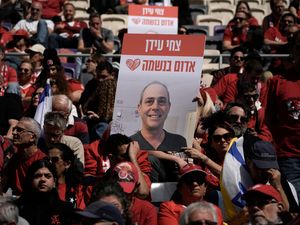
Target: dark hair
column 93, row 15
column 237, row 104
column 244, row 87
column 288, row 14
column 247, row 5
column 35, row 166
column 74, row 173
column 114, row 141
column 105, row 65
column 214, row 121
column 235, row 50
column 110, row 187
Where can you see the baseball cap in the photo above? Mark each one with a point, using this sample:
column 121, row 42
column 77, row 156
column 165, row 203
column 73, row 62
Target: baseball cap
column 263, row 189
column 263, row 155
column 189, row 169
column 38, row 48
column 21, row 33
column 127, row 176
column 102, row 211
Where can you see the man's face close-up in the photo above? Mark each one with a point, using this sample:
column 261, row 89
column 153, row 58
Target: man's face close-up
column 154, row 107
column 237, row 59
column 238, row 120
column 263, row 210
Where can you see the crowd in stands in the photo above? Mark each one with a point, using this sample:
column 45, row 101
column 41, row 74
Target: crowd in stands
column 66, row 168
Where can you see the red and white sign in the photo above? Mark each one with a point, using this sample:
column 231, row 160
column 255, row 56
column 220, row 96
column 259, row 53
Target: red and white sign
column 145, row 19
column 174, row 60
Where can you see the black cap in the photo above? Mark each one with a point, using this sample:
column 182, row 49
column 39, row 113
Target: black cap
column 102, row 211
column 263, row 155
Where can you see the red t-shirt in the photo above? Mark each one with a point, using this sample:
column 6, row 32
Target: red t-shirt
column 51, row 8
column 17, row 168
column 169, row 213
column 143, row 212
column 283, row 115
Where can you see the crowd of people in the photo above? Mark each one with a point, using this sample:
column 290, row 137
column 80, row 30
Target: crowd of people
column 66, row 167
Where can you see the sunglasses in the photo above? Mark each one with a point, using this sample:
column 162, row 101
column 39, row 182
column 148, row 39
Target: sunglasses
column 25, row 70
column 260, row 203
column 239, row 57
column 202, row 222
column 191, row 179
column 20, row 130
column 35, row 9
column 235, row 118
column 218, row 138
column 239, row 19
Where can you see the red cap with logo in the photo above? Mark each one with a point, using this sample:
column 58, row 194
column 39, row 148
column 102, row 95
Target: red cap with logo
column 127, row 176
column 263, row 189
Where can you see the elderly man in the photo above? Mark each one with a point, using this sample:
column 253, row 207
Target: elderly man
column 201, row 213
column 95, row 38
column 25, row 137
column 66, row 32
column 264, row 205
column 37, row 28
column 55, row 125
column 153, row 109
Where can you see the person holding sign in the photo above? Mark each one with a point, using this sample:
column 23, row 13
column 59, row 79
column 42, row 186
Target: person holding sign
column 153, row 109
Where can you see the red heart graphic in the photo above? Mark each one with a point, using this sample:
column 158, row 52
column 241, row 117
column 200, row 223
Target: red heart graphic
column 133, row 64
column 136, row 20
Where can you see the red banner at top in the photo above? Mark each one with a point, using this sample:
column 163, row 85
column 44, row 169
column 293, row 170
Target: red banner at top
column 152, row 11
column 164, row 45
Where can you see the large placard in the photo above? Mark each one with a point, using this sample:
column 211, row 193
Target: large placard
column 145, row 19
column 174, row 60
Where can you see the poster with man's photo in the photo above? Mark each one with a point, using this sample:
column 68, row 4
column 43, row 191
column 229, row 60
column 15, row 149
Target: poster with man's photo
column 174, row 64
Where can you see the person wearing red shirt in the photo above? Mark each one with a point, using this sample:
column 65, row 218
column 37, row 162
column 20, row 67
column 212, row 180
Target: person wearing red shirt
column 8, row 75
column 25, row 137
column 191, row 188
column 272, row 20
column 128, row 176
column 283, row 116
column 236, row 31
column 66, row 32
column 225, row 90
column 51, row 8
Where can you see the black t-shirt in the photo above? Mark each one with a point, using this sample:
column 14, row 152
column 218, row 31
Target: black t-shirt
column 10, row 108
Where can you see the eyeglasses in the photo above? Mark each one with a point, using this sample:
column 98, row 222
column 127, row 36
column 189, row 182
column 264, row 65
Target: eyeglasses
column 202, row 222
column 235, row 118
column 217, row 137
column 21, row 130
column 53, row 68
column 25, row 70
column 239, row 57
column 259, row 202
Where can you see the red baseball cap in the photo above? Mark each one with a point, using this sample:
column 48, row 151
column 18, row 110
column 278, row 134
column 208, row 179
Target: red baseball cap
column 127, row 176
column 263, row 189
column 191, row 168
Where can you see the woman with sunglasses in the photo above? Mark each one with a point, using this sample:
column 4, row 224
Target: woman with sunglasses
column 212, row 153
column 68, row 176
column 39, row 203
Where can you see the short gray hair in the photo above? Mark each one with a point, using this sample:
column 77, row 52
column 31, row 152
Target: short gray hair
column 55, row 119
column 34, row 126
column 201, row 207
column 152, row 83
column 9, row 212
column 62, row 101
